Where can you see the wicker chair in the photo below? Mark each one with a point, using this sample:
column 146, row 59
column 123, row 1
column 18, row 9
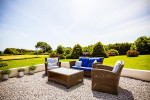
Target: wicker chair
column 51, row 67
column 104, row 80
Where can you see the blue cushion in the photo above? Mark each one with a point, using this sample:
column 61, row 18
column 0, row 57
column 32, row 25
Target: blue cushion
column 85, row 61
column 82, row 68
column 91, row 60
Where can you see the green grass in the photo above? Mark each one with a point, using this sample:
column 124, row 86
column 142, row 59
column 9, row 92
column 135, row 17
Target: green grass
column 141, row 62
column 15, row 61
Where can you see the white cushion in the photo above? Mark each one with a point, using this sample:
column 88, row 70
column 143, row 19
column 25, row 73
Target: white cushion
column 52, row 67
column 52, row 60
column 52, row 64
column 95, row 61
column 116, row 67
column 78, row 63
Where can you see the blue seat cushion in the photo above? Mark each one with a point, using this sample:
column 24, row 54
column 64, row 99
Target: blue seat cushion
column 82, row 68
column 85, row 61
column 91, row 60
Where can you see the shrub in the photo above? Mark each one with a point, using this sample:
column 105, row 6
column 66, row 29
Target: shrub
column 62, row 56
column 112, row 52
column 143, row 45
column 60, row 49
column 0, row 52
column 76, row 52
column 68, row 56
column 105, row 55
column 21, row 70
column 122, row 48
column 6, row 71
column 32, row 67
column 52, row 54
column 3, row 64
column 132, row 53
column 98, row 50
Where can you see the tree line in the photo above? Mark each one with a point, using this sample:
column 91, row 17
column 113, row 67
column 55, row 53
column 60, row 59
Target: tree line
column 142, row 45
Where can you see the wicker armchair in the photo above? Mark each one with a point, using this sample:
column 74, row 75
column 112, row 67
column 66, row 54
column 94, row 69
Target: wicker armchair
column 51, row 67
column 104, row 80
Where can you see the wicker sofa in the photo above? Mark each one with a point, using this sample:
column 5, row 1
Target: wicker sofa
column 87, row 64
column 105, row 80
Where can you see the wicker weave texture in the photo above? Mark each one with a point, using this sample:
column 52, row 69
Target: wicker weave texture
column 64, row 79
column 104, row 80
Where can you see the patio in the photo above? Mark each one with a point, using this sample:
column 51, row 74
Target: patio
column 37, row 87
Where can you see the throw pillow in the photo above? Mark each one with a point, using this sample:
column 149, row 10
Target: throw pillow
column 116, row 67
column 95, row 61
column 78, row 63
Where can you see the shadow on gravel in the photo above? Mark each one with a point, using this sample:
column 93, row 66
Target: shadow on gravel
column 123, row 95
column 62, row 87
column 43, row 76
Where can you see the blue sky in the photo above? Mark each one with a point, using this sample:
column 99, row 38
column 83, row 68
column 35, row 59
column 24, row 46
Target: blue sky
column 68, row 22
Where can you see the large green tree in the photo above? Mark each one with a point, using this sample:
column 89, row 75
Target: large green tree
column 143, row 45
column 43, row 46
column 98, row 50
column 67, row 50
column 60, row 49
column 77, row 51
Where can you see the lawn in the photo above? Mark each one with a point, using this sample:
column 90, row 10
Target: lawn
column 15, row 61
column 142, row 62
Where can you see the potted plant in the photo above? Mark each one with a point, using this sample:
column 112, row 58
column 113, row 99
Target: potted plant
column 4, row 71
column 21, row 72
column 31, row 69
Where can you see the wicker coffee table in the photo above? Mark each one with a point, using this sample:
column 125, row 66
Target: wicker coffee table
column 66, row 76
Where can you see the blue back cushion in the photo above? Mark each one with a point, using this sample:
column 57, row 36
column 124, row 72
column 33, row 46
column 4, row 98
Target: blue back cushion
column 85, row 61
column 91, row 60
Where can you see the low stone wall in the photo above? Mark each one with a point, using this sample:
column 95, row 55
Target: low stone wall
column 133, row 73
column 14, row 71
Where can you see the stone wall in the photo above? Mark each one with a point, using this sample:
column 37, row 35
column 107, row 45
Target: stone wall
column 133, row 73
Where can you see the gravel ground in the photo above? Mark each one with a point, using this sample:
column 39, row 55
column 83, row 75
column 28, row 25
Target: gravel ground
column 36, row 87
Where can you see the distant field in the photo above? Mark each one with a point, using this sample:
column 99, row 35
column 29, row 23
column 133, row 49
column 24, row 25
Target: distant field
column 21, row 56
column 20, row 62
column 142, row 62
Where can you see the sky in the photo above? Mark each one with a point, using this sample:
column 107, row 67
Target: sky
column 68, row 22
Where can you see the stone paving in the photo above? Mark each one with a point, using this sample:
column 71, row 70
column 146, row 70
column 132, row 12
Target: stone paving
column 36, row 87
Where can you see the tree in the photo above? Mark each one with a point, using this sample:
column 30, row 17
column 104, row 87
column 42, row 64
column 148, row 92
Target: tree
column 133, row 47
column 67, row 50
column 60, row 49
column 143, row 45
column 88, row 50
column 43, row 46
column 98, row 50
column 10, row 51
column 77, row 51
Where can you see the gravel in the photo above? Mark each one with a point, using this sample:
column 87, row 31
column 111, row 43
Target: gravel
column 37, row 87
